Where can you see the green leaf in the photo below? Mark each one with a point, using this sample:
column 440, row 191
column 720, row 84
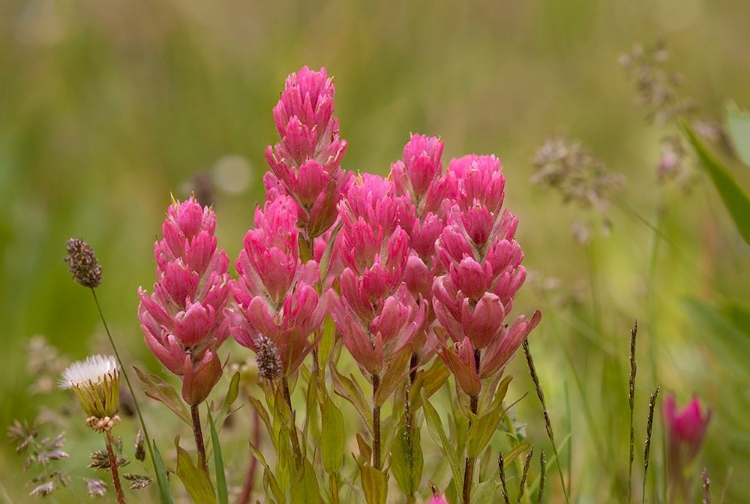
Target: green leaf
column 392, row 376
column 350, row 390
column 221, row 479
column 332, row 438
column 233, row 391
column 509, row 457
column 485, row 492
column 430, row 381
column 738, row 124
column 374, row 485
column 482, row 429
column 161, row 477
column 327, row 341
column 158, row 389
column 734, row 198
column 406, row 460
column 195, row 479
column 435, row 428
column 264, row 416
column 305, row 488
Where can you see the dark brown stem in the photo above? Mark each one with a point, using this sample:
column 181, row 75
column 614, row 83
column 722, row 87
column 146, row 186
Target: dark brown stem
column 198, row 434
column 113, row 468
column 375, row 424
column 293, row 426
column 247, row 488
column 470, row 461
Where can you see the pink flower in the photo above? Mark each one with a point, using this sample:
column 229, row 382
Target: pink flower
column 376, row 313
column 686, row 429
column 482, row 272
column 274, row 293
column 438, row 499
column 186, row 318
column 306, row 163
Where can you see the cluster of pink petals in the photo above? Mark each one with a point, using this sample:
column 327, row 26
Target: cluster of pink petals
column 306, row 163
column 483, row 272
column 376, row 313
column 686, row 429
column 186, row 319
column 274, row 292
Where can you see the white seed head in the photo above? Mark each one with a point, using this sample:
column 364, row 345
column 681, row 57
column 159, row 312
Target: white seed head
column 93, row 369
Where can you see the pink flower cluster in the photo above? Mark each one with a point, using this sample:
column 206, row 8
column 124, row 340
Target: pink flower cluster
column 483, row 272
column 428, row 261
column 306, row 163
column 377, row 315
column 186, row 319
column 274, row 292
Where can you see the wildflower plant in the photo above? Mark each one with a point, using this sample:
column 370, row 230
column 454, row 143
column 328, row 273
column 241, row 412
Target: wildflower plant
column 359, row 298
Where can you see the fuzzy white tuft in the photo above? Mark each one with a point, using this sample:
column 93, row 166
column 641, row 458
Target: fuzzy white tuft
column 93, row 369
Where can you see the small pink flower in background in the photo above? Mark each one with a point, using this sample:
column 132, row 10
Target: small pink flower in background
column 306, row 163
column 482, row 273
column 274, row 293
column 686, row 429
column 376, row 313
column 186, row 319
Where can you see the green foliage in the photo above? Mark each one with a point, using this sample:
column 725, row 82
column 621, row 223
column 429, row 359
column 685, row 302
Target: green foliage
column 735, row 199
column 738, row 124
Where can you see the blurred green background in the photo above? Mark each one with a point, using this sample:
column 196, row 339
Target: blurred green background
column 107, row 107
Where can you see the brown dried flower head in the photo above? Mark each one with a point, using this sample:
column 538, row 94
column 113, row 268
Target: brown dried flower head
column 82, row 263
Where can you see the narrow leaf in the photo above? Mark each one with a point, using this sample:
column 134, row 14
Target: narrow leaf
column 158, row 389
column 484, row 427
column 734, row 198
column 393, row 375
column 374, row 485
column 435, row 428
column 332, row 439
column 350, row 390
column 195, row 479
column 509, row 457
column 221, row 479
column 161, row 477
column 305, row 488
column 233, row 391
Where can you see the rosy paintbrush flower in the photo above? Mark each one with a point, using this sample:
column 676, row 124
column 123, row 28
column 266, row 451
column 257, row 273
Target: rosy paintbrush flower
column 186, row 318
column 306, row 163
column 483, row 272
column 280, row 310
column 376, row 313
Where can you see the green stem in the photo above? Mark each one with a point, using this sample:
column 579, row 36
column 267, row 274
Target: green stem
column 130, row 388
column 198, row 434
column 113, row 468
column 293, row 426
column 376, row 463
column 470, row 461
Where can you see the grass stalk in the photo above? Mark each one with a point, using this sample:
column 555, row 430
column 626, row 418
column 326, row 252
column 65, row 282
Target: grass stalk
column 503, row 483
column 162, row 490
column 649, row 430
column 547, row 421
column 631, row 404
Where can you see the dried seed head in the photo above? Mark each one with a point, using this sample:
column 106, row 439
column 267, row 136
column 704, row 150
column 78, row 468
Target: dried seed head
column 140, row 453
column 82, row 263
column 269, row 362
column 95, row 487
column 96, row 383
